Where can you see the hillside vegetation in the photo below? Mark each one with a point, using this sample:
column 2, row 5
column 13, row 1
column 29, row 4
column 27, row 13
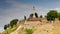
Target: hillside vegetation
column 50, row 24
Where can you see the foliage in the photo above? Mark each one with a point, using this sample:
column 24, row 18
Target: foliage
column 41, row 16
column 51, row 15
column 36, row 15
column 31, row 15
column 9, row 30
column 59, row 16
column 29, row 31
column 5, row 27
column 45, row 16
column 13, row 22
column 25, row 17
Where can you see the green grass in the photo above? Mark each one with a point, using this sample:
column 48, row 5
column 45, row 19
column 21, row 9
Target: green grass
column 29, row 31
column 9, row 30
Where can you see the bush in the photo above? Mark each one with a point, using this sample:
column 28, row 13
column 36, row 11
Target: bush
column 41, row 16
column 29, row 31
column 5, row 27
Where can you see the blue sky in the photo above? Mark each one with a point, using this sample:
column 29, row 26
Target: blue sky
column 11, row 9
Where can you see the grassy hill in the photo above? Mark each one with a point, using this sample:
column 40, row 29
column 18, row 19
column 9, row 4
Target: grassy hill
column 35, row 27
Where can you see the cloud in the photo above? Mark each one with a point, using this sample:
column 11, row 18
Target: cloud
column 57, row 9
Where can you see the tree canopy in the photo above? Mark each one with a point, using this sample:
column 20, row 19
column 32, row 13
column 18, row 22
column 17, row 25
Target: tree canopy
column 41, row 16
column 5, row 27
column 31, row 15
column 59, row 16
column 13, row 22
column 25, row 17
column 36, row 15
column 51, row 15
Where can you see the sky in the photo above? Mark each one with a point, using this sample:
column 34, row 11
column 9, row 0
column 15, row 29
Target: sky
column 11, row 9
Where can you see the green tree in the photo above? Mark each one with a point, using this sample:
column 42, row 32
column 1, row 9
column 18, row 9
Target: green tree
column 25, row 17
column 52, row 15
column 41, row 16
column 36, row 15
column 13, row 22
column 5, row 27
column 59, row 16
column 31, row 15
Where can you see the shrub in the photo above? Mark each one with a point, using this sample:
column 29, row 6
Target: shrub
column 29, row 31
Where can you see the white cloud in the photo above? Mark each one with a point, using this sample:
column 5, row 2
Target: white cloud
column 57, row 9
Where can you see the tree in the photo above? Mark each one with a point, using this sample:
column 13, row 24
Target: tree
column 45, row 16
column 13, row 22
column 41, row 16
column 25, row 17
column 59, row 16
column 5, row 27
column 31, row 15
column 36, row 15
column 52, row 15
